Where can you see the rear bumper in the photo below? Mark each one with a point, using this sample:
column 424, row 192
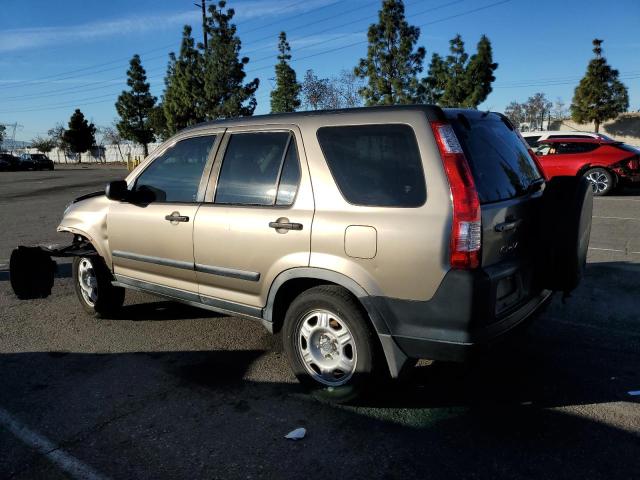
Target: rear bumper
column 457, row 322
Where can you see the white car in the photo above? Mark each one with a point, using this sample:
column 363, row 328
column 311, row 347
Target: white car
column 532, row 138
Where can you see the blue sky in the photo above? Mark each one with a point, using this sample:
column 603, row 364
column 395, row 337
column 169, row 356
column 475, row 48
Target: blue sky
column 59, row 55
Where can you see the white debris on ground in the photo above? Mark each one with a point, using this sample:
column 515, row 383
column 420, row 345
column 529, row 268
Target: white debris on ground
column 297, row 434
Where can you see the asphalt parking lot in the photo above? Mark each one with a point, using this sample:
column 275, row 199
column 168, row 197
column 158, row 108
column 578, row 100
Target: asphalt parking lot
column 168, row 391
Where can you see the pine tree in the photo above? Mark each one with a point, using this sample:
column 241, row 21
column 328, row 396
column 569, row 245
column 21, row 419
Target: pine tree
column 80, row 136
column 455, row 91
column 479, row 74
column 600, row 95
column 392, row 65
column 2, row 130
column 225, row 94
column 158, row 123
column 184, row 86
column 433, row 85
column 134, row 107
column 285, row 97
column 459, row 80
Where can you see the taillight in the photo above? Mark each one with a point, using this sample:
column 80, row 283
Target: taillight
column 466, row 229
column 634, row 163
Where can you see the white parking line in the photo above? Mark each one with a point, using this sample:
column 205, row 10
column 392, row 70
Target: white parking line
column 69, row 464
column 612, row 250
column 618, row 218
column 619, row 199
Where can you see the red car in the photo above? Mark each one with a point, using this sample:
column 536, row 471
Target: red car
column 605, row 163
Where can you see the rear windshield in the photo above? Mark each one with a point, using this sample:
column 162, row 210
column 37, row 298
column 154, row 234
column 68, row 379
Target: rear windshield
column 499, row 160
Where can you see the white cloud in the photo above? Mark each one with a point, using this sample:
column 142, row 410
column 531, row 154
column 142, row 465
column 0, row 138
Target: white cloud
column 26, row 38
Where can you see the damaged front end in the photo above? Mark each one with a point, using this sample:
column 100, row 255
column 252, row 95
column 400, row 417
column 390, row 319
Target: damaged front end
column 32, row 269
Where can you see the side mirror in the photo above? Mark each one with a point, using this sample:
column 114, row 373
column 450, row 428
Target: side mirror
column 117, row 191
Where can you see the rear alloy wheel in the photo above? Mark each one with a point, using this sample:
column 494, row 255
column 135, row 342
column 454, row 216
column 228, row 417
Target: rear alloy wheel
column 92, row 279
column 329, row 344
column 601, row 180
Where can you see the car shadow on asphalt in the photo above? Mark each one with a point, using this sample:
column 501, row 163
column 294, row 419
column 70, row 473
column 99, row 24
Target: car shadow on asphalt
column 453, row 424
column 161, row 310
column 63, row 270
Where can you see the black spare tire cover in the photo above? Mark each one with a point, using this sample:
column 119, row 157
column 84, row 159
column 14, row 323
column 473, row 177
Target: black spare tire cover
column 32, row 272
column 565, row 228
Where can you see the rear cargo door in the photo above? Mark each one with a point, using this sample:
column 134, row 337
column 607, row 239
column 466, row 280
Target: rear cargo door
column 509, row 187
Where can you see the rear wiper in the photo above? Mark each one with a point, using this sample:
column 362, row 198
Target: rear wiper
column 535, row 185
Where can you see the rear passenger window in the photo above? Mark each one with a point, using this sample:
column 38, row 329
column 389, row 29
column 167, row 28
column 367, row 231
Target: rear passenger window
column 576, row 147
column 375, row 165
column 259, row 169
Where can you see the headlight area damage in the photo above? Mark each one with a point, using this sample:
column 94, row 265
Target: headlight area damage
column 32, row 269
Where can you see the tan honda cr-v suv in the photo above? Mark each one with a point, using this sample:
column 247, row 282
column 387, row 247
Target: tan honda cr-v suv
column 370, row 237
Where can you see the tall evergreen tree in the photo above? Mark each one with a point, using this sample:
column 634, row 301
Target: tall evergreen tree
column 392, row 64
column 158, row 123
column 456, row 86
column 135, row 106
column 285, row 97
column 2, row 130
column 459, row 80
column 480, row 74
column 600, row 95
column 225, row 94
column 184, row 86
column 80, row 136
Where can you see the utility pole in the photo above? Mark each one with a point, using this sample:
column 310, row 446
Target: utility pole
column 203, row 6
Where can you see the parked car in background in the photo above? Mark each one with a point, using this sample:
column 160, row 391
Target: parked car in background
column 26, row 163
column 370, row 237
column 9, row 162
column 38, row 161
column 604, row 162
column 534, row 138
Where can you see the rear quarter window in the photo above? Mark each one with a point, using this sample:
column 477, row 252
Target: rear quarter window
column 375, row 165
column 499, row 160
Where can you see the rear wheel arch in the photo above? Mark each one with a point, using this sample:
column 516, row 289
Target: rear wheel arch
column 291, row 283
column 590, row 166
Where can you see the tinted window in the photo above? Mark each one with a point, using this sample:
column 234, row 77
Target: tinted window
column 175, row 175
column 251, row 168
column 574, row 147
column 499, row 160
column 532, row 141
column 375, row 165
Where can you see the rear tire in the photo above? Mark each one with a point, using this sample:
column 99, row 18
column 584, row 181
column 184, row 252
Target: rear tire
column 330, row 346
column 602, row 180
column 92, row 280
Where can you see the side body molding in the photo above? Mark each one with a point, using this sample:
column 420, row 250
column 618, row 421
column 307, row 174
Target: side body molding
column 396, row 359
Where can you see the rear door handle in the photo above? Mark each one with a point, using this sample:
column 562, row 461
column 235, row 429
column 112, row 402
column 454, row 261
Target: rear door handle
column 506, row 226
column 285, row 225
column 176, row 217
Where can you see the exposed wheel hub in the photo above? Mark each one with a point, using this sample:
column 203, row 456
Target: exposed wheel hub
column 88, row 281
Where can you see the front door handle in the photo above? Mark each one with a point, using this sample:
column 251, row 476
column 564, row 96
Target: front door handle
column 284, row 224
column 175, row 217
